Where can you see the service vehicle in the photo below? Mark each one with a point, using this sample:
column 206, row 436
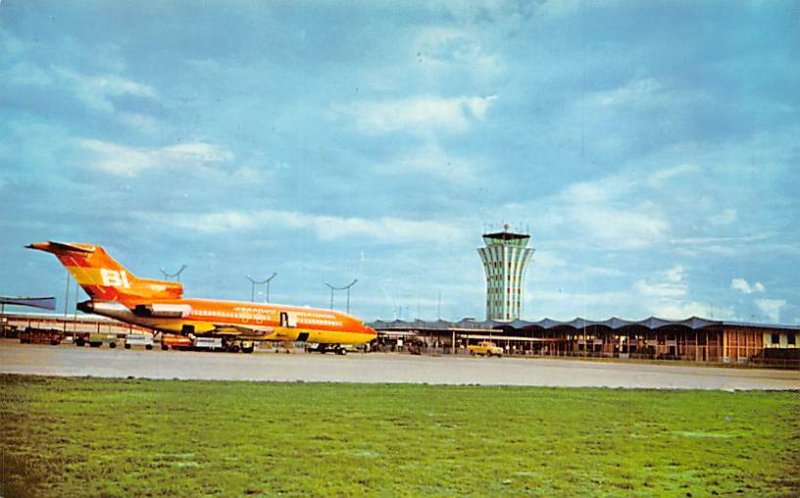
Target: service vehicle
column 174, row 341
column 96, row 339
column 145, row 340
column 209, row 343
column 340, row 349
column 205, row 343
column 41, row 336
column 485, row 348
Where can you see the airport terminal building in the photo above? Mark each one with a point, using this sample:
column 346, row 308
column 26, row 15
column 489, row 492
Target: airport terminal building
column 694, row 339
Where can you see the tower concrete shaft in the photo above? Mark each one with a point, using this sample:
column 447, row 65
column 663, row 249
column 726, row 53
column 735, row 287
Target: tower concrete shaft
column 505, row 259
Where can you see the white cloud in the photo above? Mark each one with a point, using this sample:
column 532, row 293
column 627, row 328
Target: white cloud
column 726, row 217
column 660, row 177
column 140, row 122
column 441, row 49
column 325, row 227
column 26, row 73
column 614, row 227
column 638, row 93
column 434, row 161
column 548, row 259
column 667, row 296
column 122, row 160
column 608, row 212
column 771, row 307
column 680, row 310
column 416, row 115
column 562, row 305
column 670, row 286
column 97, row 91
column 743, row 286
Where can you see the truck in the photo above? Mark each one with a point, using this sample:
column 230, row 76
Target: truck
column 96, row 339
column 205, row 343
column 208, row 343
column 485, row 348
column 41, row 336
column 145, row 340
column 174, row 341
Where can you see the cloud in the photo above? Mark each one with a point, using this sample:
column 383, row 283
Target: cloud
column 416, row 115
column 667, row 296
column 325, row 227
column 97, row 91
column 660, row 177
column 622, row 228
column 744, row 287
column 638, row 93
column 607, row 212
column 130, row 161
column 679, row 310
column 434, row 161
column 771, row 307
column 670, row 286
column 548, row 259
column 140, row 122
column 726, row 217
column 443, row 48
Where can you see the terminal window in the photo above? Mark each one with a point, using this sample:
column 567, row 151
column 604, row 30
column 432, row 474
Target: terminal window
column 776, row 338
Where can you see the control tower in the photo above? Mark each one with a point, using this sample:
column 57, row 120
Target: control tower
column 505, row 259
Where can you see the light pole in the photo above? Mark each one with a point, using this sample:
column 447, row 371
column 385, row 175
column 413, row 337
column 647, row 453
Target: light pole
column 177, row 274
column 348, row 293
column 268, row 281
column 346, row 287
column 332, row 289
column 259, row 282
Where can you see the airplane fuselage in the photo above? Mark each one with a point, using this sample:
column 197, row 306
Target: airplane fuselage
column 269, row 322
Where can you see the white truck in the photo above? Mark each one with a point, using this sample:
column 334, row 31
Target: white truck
column 208, row 343
column 145, row 340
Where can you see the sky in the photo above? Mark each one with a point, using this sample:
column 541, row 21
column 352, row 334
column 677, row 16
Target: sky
column 651, row 149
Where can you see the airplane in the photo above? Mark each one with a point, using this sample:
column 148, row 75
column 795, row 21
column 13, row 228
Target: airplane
column 159, row 305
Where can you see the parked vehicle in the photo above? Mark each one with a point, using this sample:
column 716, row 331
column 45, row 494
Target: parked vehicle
column 201, row 343
column 96, row 339
column 340, row 349
column 208, row 343
column 145, row 340
column 174, row 341
column 485, row 348
column 41, row 336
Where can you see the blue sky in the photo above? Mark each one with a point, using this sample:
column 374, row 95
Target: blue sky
column 651, row 148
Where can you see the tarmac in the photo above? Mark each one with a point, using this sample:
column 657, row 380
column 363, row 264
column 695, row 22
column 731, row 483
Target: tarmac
column 70, row 360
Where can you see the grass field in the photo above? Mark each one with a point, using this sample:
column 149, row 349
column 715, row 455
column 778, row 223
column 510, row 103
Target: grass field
column 92, row 437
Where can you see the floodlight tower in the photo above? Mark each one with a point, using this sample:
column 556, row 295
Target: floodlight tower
column 505, row 259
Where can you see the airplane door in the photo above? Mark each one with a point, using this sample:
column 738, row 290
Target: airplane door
column 288, row 320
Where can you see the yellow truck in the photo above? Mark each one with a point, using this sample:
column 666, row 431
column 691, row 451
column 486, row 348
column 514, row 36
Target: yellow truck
column 485, row 348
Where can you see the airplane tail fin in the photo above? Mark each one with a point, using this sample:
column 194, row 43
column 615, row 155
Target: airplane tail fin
column 103, row 278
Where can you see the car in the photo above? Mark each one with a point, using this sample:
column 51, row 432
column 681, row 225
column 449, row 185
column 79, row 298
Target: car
column 485, row 348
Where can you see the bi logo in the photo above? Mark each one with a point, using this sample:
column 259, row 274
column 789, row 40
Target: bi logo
column 113, row 278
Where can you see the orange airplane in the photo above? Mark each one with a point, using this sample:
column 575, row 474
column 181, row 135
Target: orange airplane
column 159, row 305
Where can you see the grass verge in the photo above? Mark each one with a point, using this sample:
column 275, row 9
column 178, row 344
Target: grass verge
column 97, row 437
